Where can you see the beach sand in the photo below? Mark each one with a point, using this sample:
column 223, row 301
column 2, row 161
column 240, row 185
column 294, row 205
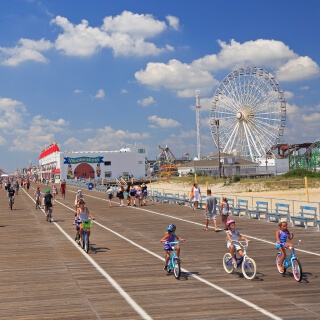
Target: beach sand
column 236, row 189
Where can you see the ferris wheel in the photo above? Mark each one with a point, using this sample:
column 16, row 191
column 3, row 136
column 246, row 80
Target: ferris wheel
column 248, row 113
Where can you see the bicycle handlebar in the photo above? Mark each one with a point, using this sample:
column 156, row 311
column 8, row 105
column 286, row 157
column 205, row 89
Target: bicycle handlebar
column 299, row 242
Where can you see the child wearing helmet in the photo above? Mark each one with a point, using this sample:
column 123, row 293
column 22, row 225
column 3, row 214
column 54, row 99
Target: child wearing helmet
column 282, row 234
column 170, row 236
column 233, row 236
column 79, row 196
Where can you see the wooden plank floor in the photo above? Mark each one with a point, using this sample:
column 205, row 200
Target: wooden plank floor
column 44, row 275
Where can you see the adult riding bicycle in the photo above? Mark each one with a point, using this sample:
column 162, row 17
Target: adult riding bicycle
column 47, row 197
column 11, row 193
column 37, row 194
column 83, row 215
column 86, row 226
column 291, row 261
column 248, row 265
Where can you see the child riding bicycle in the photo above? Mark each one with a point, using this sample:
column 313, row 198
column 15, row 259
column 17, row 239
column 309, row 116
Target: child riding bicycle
column 37, row 194
column 170, row 236
column 282, row 234
column 233, row 236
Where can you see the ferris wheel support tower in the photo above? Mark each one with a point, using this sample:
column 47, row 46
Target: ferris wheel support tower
column 198, row 107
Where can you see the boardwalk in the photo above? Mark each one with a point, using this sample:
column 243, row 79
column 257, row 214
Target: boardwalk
column 44, row 274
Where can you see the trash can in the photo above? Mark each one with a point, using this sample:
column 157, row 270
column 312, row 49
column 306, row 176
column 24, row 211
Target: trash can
column 90, row 186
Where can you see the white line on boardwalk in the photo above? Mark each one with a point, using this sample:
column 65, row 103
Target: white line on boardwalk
column 226, row 292
column 125, row 295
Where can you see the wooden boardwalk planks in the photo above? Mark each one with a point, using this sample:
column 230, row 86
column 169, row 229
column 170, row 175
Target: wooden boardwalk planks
column 45, row 276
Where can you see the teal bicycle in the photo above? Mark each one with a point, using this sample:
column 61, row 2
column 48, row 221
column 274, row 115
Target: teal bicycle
column 290, row 261
column 174, row 263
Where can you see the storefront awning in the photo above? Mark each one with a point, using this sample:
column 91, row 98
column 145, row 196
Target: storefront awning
column 56, row 170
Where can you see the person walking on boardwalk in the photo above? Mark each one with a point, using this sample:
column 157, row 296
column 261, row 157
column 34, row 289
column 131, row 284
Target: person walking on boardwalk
column 224, row 211
column 109, row 192
column 211, row 211
column 196, row 195
column 63, row 187
column 120, row 195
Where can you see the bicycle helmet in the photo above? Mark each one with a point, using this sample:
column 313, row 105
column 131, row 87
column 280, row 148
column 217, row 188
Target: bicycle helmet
column 79, row 191
column 171, row 227
column 47, row 191
column 229, row 222
column 81, row 201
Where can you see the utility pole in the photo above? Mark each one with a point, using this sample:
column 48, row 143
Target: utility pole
column 198, row 107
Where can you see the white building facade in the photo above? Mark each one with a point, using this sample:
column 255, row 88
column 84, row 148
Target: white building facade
column 104, row 165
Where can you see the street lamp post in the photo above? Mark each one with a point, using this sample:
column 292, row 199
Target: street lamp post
column 219, row 160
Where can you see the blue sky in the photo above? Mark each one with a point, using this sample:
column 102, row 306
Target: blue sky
column 107, row 74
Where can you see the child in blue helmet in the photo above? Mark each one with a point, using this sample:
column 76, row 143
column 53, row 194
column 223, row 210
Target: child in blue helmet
column 282, row 234
column 170, row 236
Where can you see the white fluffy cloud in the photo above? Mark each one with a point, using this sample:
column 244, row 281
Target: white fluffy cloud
column 102, row 141
column 176, row 76
column 146, row 101
column 162, row 122
column 125, row 34
column 301, row 68
column 100, row 94
column 173, row 22
column 26, row 50
column 38, row 133
column 183, row 78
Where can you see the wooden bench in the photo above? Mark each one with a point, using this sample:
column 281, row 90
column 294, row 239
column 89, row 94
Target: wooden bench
column 231, row 204
column 281, row 212
column 260, row 209
column 242, row 206
column 306, row 214
column 168, row 198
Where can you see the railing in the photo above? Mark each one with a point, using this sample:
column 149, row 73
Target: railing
column 294, row 204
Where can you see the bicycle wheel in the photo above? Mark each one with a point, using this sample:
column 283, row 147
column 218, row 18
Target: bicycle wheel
column 176, row 268
column 11, row 204
column 278, row 263
column 37, row 204
column 297, row 269
column 227, row 263
column 83, row 239
column 249, row 268
column 87, row 243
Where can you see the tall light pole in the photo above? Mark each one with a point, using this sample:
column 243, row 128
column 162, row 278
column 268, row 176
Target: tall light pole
column 198, row 107
column 217, row 125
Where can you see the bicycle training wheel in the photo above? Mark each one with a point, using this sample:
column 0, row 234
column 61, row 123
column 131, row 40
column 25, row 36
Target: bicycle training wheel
column 176, row 269
column 297, row 269
column 278, row 263
column 227, row 263
column 249, row 268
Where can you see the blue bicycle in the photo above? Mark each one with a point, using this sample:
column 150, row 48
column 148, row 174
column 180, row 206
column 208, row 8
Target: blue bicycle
column 291, row 261
column 174, row 262
column 248, row 265
column 86, row 225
